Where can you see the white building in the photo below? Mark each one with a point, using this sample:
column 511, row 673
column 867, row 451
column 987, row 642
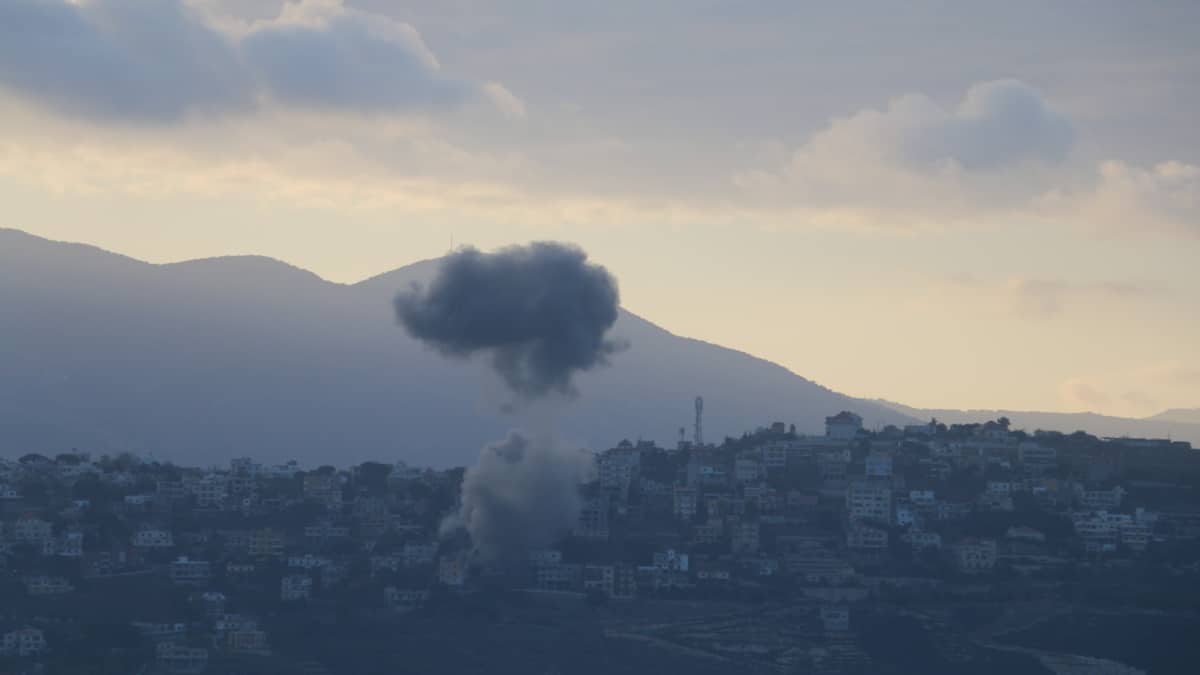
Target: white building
column 844, row 426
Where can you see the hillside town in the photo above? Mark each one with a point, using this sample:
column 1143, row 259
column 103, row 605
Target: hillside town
column 772, row 552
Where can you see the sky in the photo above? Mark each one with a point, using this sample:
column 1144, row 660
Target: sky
column 960, row 205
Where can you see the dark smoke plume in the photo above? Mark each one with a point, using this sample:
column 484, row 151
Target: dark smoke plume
column 522, row 495
column 540, row 312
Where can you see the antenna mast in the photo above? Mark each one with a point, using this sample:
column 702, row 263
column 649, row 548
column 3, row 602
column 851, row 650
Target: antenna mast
column 698, row 431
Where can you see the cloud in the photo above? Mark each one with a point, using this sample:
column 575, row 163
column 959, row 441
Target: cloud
column 997, row 124
column 1046, row 298
column 1163, row 198
column 917, row 163
column 1136, row 392
column 329, row 57
column 119, row 59
column 135, row 61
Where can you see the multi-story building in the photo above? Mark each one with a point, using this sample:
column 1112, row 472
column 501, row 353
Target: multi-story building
column 865, row 538
column 866, row 500
column 844, row 426
column 745, row 538
column 265, row 543
column 181, row 660
column 878, row 464
column 975, row 556
column 25, row 642
column 43, row 584
column 686, row 502
column 153, row 537
column 184, row 570
column 294, row 587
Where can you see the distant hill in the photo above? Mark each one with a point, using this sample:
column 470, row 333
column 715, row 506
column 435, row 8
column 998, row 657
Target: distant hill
column 1100, row 425
column 209, row 359
column 1185, row 415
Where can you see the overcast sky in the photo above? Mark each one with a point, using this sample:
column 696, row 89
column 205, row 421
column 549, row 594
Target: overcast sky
column 947, row 204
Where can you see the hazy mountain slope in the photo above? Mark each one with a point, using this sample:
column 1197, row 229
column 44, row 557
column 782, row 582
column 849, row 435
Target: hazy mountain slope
column 1184, row 415
column 215, row 358
column 1099, row 425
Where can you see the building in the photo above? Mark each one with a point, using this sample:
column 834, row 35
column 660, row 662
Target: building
column 618, row 468
column 686, row 503
column 593, row 517
column 404, row 599
column 452, row 571
column 748, row 469
column 42, row 584
column 417, row 554
column 866, row 500
column 545, row 557
column 1102, row 500
column 152, row 537
column 248, row 640
column 265, row 543
column 975, row 556
column 324, row 488
column 844, row 426
column 33, row 531
column 1035, row 458
column 600, row 578
column 920, row 540
column 745, row 538
column 864, row 538
column 178, row 659
column 24, row 642
column 835, row 619
column 210, row 491
column 294, row 587
column 307, row 561
column 671, row 560
column 559, row 577
column 879, row 464
column 184, row 570
column 70, row 544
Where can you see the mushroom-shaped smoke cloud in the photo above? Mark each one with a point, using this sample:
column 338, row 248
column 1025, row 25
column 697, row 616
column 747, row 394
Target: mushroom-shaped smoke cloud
column 540, row 312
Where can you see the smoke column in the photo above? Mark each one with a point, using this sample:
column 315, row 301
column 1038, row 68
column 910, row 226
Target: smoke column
column 540, row 314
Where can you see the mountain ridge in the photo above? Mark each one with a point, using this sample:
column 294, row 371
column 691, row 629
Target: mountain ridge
column 246, row 355
column 1031, row 420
